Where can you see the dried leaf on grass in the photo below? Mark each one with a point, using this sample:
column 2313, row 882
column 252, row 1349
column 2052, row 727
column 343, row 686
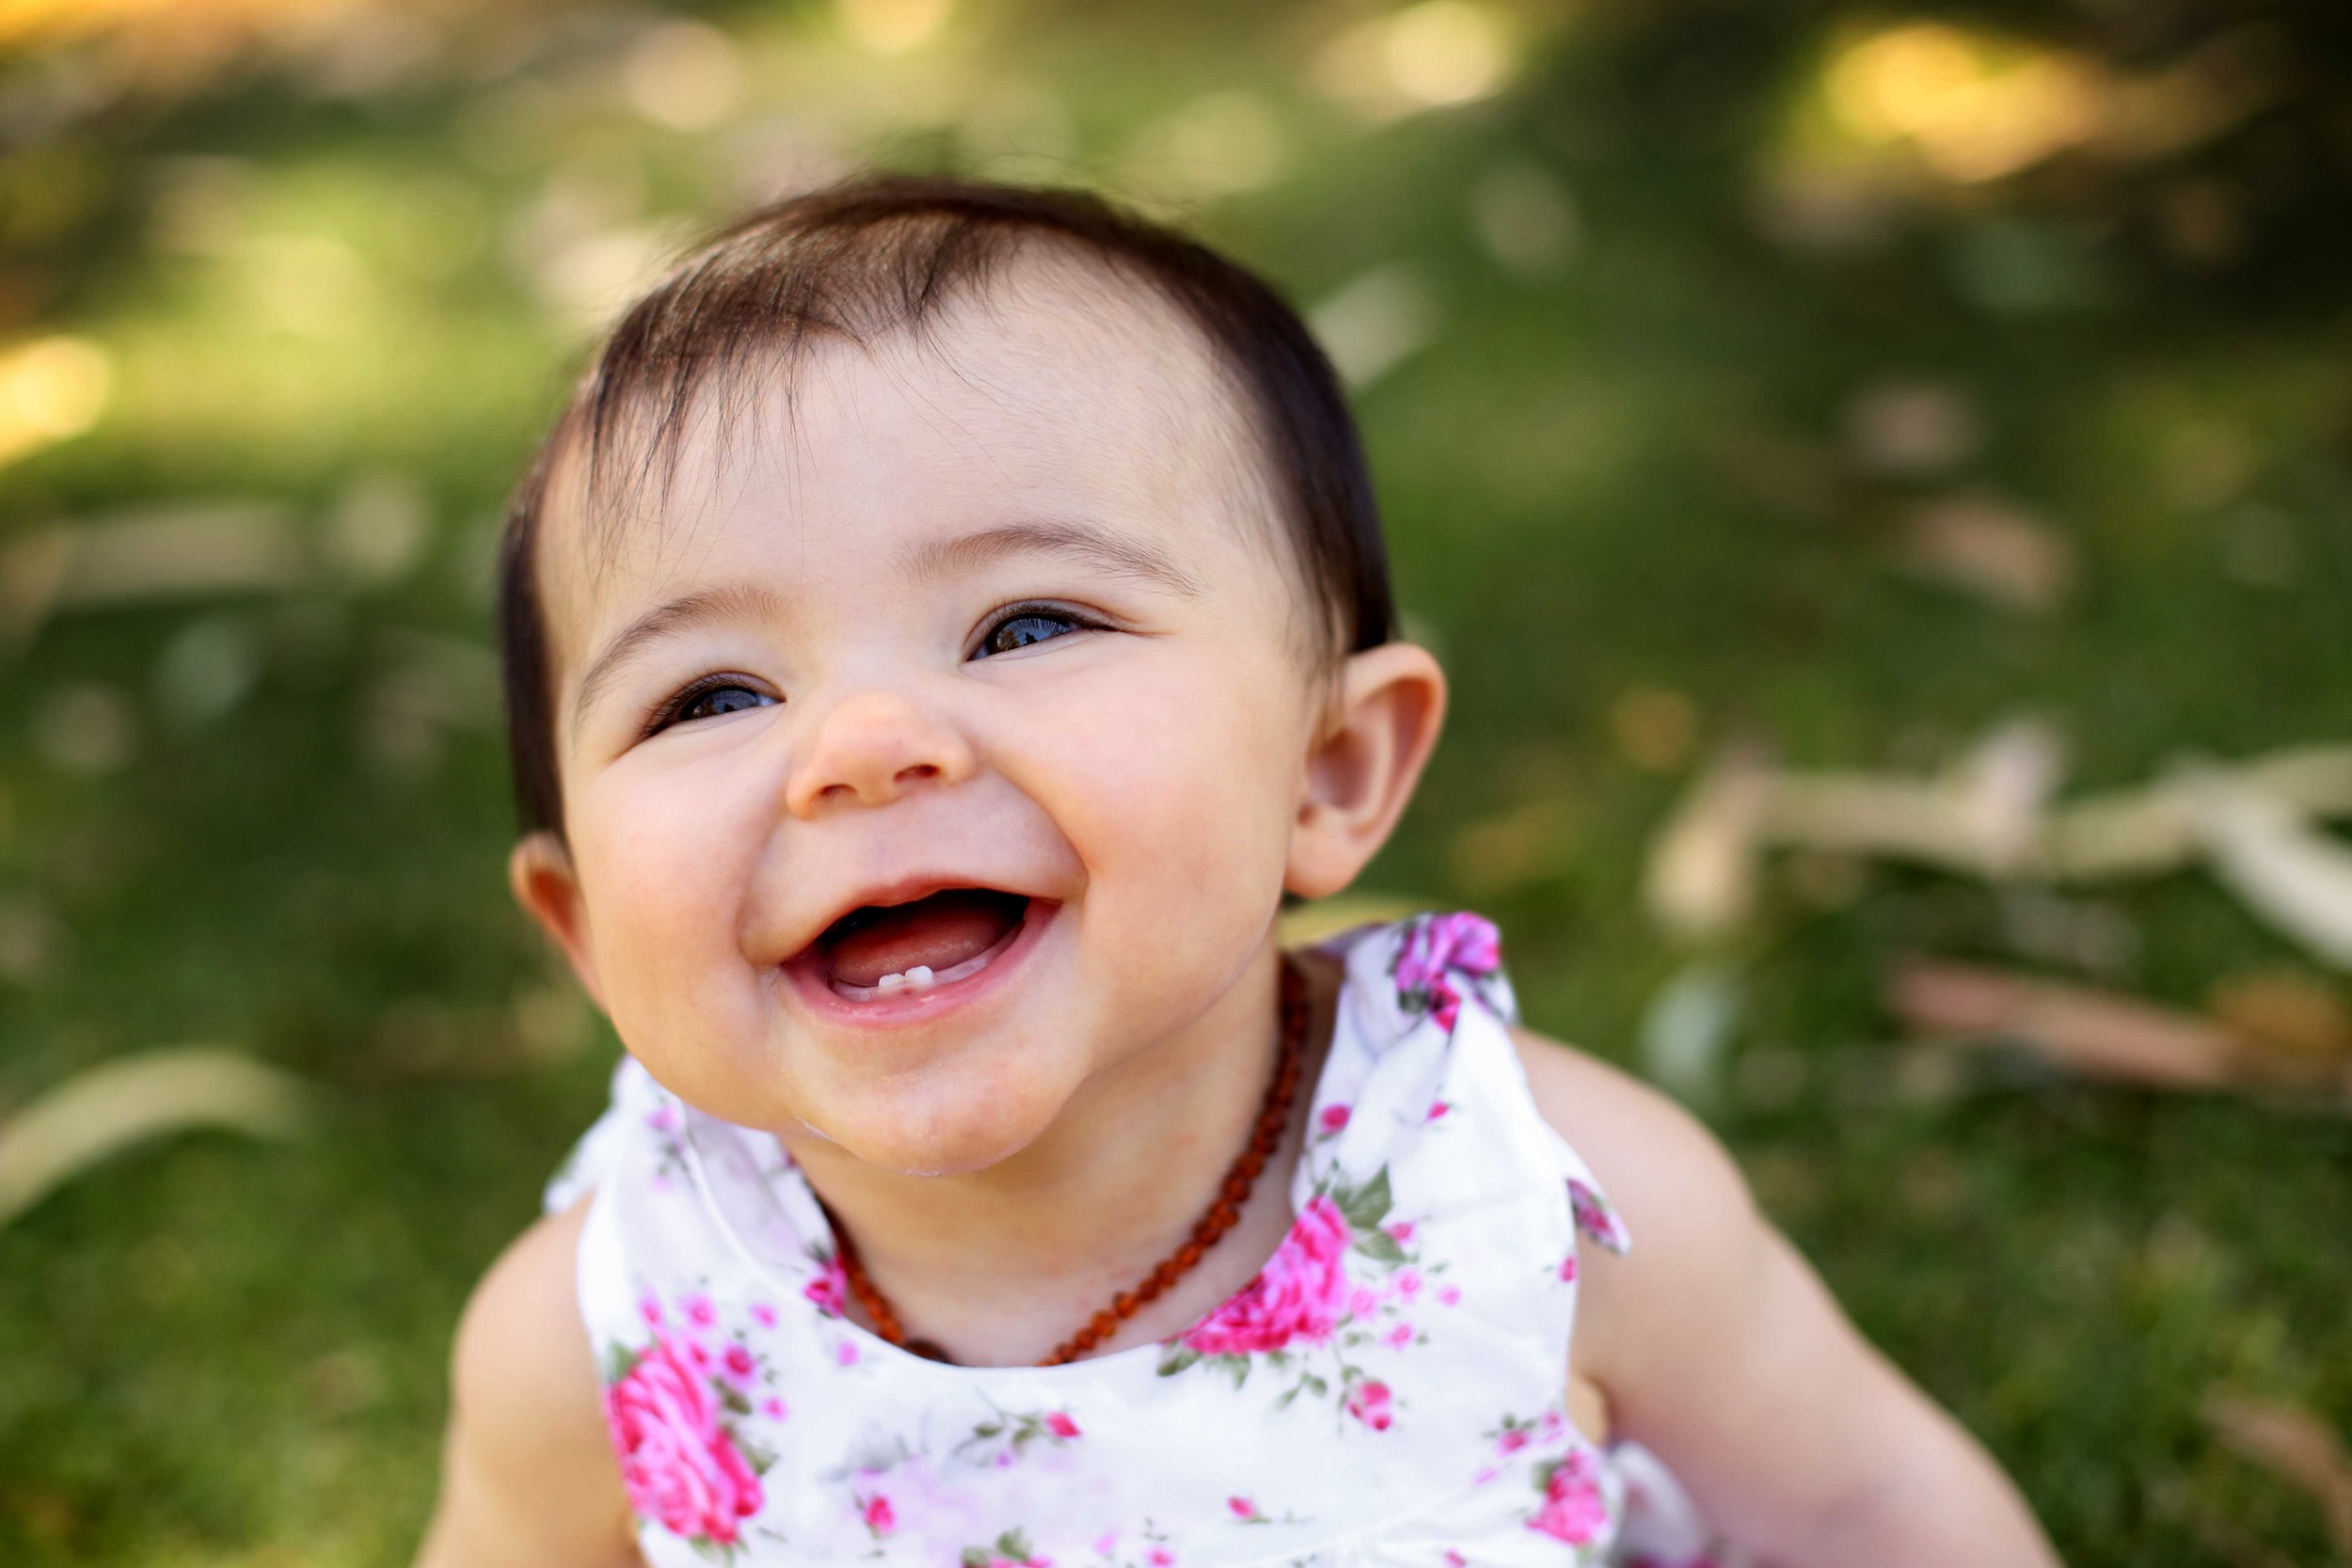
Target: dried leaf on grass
column 1992, row 816
column 1702, row 872
column 1984, row 819
column 2296, row 1020
column 2267, row 852
column 2295, row 1445
column 166, row 553
column 1992, row 549
column 110, row 1107
column 2272, row 1031
column 1910, row 427
column 2153, row 829
column 2092, row 1031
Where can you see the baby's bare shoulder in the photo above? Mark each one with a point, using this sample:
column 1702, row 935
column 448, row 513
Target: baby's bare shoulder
column 522, row 1371
column 1716, row 1346
column 528, row 1475
column 1661, row 1168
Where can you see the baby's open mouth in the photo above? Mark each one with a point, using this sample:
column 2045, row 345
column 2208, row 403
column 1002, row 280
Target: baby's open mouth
column 885, row 950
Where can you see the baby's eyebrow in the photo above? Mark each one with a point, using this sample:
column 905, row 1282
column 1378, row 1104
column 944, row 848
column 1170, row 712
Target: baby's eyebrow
column 730, row 602
column 1076, row 540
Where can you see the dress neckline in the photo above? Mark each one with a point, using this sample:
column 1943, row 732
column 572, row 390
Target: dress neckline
column 817, row 1226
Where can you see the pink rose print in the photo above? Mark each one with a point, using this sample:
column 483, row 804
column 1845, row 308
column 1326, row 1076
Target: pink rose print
column 773, row 1408
column 1243, row 1508
column 700, row 1312
column 1437, row 950
column 880, row 1517
column 739, row 1363
column 1402, row 1230
column 1160, row 1557
column 1333, row 1119
column 1371, row 1404
column 680, row 1466
column 1401, row 1336
column 650, row 1310
column 1573, row 1509
column 1567, row 1269
column 1450, row 1296
column 763, row 1314
column 1060, row 1425
column 1437, row 1108
column 1595, row 1218
column 1299, row 1295
column 1455, row 1560
column 830, row 1289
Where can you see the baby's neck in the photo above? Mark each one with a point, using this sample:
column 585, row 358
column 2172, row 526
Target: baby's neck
column 999, row 1265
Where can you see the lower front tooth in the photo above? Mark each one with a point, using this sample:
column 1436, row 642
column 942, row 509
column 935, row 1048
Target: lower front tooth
column 919, row 977
column 891, row 983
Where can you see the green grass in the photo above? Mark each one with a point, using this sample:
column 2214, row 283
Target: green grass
column 1631, row 472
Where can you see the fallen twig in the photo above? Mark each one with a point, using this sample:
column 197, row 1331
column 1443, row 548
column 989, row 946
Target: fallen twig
column 110, row 1107
column 2295, row 1445
column 2091, row 1032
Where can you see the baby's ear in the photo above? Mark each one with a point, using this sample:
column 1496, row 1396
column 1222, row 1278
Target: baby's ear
column 1377, row 734
column 540, row 873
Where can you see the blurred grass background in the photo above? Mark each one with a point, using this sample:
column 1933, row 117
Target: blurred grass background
column 1671, row 321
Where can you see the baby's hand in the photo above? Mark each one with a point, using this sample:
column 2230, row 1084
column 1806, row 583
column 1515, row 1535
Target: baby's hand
column 1717, row 1348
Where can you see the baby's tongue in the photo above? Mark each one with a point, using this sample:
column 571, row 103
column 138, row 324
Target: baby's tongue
column 940, row 932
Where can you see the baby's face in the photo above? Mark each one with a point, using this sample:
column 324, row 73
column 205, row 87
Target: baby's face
column 941, row 745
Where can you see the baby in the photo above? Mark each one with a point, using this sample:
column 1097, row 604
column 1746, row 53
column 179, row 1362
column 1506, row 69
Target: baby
column 944, row 628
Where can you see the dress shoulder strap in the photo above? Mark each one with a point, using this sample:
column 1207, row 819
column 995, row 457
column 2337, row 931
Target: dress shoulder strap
column 1433, row 987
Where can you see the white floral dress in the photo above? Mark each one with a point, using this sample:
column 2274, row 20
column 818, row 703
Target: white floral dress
column 1387, row 1390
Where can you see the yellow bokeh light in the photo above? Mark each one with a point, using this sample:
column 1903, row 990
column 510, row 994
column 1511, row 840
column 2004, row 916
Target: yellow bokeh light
column 1426, row 56
column 685, row 75
column 1446, row 51
column 21, row 20
column 50, row 390
column 1972, row 107
column 1904, row 79
column 893, row 26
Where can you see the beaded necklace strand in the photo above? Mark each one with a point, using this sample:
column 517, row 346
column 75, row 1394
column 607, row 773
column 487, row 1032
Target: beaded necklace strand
column 1221, row 1217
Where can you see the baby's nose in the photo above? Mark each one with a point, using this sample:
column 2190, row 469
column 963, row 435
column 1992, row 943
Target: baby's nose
column 871, row 749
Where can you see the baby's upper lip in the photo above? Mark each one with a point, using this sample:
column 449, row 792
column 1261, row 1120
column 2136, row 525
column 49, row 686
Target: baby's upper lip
column 896, row 889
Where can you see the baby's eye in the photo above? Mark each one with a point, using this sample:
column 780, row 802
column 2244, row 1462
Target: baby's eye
column 1026, row 628
column 714, row 701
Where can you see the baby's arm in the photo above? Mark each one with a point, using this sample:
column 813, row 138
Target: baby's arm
column 528, row 1477
column 1718, row 1349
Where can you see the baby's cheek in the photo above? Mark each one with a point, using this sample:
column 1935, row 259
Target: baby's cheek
column 1178, row 800
column 664, row 865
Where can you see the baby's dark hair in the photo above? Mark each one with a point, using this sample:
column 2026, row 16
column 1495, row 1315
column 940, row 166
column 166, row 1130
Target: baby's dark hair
column 878, row 255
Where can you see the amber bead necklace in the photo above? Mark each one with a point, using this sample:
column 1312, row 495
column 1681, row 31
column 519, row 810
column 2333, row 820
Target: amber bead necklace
column 1223, row 1213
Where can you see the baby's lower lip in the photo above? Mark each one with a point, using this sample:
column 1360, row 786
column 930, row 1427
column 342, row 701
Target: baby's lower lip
column 883, row 1003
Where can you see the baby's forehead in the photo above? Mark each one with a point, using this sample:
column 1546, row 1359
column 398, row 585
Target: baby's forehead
column 1057, row 381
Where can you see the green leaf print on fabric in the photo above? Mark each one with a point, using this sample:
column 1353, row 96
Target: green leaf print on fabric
column 1009, row 1550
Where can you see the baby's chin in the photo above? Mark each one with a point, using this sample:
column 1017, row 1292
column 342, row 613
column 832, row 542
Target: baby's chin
column 944, row 1123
